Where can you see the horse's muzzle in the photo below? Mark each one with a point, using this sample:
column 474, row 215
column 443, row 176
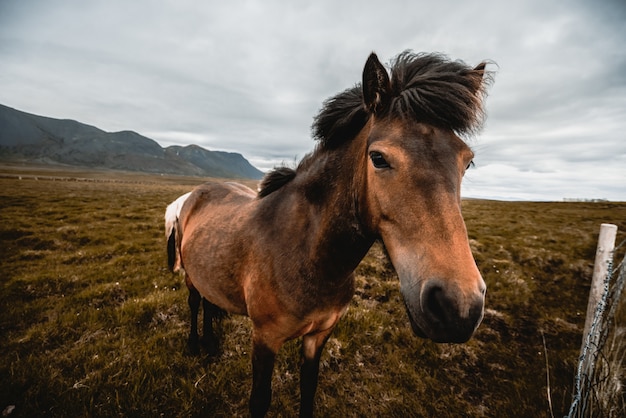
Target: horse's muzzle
column 445, row 317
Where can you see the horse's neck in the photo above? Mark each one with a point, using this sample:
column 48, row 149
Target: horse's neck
column 330, row 189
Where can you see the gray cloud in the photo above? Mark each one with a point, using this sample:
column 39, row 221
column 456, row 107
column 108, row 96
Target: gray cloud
column 249, row 77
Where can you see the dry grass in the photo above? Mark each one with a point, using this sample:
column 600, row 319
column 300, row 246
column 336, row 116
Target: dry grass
column 93, row 324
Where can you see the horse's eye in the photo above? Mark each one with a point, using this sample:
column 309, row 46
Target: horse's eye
column 470, row 165
column 378, row 160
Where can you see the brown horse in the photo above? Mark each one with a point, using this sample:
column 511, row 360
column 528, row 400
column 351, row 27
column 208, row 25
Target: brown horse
column 388, row 166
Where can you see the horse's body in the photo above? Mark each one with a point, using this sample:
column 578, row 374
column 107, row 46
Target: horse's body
column 388, row 167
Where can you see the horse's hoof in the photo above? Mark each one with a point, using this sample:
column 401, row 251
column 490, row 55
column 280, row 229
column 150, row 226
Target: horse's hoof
column 193, row 348
column 211, row 346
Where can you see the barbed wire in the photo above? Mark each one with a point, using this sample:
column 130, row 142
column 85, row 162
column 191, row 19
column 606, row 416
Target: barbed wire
column 586, row 382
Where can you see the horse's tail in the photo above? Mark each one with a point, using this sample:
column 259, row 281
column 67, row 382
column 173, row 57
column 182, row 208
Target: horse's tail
column 171, row 251
column 172, row 232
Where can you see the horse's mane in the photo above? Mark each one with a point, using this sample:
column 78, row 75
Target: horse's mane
column 428, row 88
column 276, row 179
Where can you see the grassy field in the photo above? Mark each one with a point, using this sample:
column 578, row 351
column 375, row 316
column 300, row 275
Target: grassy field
column 93, row 324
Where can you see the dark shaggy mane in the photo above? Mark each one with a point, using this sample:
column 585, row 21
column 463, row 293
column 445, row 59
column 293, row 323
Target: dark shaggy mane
column 428, row 88
column 280, row 176
column 276, row 179
column 342, row 117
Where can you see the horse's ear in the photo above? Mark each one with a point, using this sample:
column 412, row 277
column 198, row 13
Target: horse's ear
column 479, row 75
column 481, row 67
column 376, row 85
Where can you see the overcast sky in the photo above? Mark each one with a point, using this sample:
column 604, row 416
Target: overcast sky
column 249, row 76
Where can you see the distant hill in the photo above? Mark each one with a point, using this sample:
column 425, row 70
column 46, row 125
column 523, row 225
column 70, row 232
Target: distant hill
column 27, row 137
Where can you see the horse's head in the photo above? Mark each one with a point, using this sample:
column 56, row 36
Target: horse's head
column 414, row 167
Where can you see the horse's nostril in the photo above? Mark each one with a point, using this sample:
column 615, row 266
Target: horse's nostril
column 434, row 298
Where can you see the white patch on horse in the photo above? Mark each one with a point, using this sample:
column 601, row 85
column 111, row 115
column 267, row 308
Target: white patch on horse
column 172, row 213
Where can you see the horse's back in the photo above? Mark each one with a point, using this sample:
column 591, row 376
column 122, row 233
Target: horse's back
column 216, row 206
column 218, row 194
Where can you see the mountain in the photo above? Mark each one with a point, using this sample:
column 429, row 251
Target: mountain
column 28, row 137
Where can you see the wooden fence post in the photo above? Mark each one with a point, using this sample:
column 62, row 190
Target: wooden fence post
column 589, row 351
column 604, row 252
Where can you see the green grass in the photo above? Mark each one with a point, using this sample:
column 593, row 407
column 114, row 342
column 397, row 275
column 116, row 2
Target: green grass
column 93, row 324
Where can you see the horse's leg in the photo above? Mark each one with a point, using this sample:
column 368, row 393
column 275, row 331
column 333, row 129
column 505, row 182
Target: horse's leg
column 312, row 346
column 263, row 356
column 209, row 339
column 194, row 306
